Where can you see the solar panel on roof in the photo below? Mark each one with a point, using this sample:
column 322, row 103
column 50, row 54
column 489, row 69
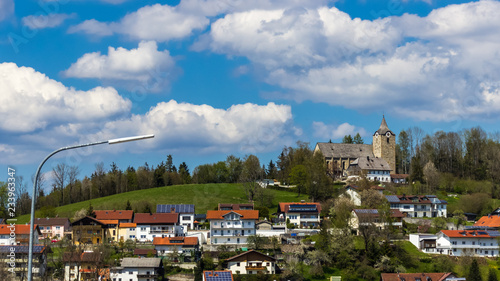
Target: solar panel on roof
column 367, row 211
column 178, row 208
column 218, row 276
column 392, row 198
column 493, row 233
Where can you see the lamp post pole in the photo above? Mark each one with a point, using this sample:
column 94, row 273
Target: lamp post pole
column 35, row 183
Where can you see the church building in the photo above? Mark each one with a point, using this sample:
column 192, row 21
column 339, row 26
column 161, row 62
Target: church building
column 376, row 161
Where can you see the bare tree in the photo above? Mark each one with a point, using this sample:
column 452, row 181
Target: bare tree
column 60, row 177
column 72, row 174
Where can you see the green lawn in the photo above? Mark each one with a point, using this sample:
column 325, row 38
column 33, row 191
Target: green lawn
column 203, row 196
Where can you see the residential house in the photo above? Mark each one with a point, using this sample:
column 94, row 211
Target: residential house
column 122, row 216
column 150, row 226
column 425, row 242
column 185, row 211
column 138, row 269
column 482, row 243
column 340, row 156
column 232, row 227
column 18, row 234
column 399, row 178
column 20, row 255
column 217, row 275
column 420, row 277
column 489, row 222
column 235, row 207
column 251, row 262
column 84, row 266
column 373, row 168
column 361, row 217
column 418, row 206
column 111, row 230
column 303, row 215
column 187, row 247
column 126, row 231
column 267, row 229
column 145, row 253
column 53, row 228
column 88, row 230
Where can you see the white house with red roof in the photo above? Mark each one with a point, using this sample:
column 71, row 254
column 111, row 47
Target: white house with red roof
column 251, row 262
column 302, row 214
column 53, row 228
column 187, row 246
column 418, row 206
column 231, row 227
column 18, row 234
column 149, row 226
column 481, row 243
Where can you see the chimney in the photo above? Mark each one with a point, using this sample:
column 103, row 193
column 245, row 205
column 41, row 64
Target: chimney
column 172, row 210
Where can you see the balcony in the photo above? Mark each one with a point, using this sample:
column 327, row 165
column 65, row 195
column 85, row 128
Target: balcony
column 256, row 267
column 161, row 231
column 309, row 219
column 146, row 275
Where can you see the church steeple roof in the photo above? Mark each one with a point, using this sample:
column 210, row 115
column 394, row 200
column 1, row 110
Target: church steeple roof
column 383, row 128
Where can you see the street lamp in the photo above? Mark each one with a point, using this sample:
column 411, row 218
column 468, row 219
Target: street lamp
column 32, row 223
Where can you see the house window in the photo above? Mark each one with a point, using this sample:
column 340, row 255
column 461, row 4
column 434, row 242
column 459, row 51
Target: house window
column 143, row 229
column 143, row 236
column 186, row 218
column 237, row 264
column 463, row 242
column 58, row 227
column 473, row 242
column 228, row 239
column 454, row 242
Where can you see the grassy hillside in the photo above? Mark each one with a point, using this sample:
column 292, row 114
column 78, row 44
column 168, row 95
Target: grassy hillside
column 203, row 196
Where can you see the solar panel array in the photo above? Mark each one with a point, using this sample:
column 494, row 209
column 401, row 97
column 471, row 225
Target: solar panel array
column 366, row 211
column 218, row 276
column 303, row 208
column 493, row 233
column 21, row 249
column 392, row 198
column 179, row 208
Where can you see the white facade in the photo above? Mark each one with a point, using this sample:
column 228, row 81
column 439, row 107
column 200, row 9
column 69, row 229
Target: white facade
column 187, row 220
column 232, row 229
column 303, row 219
column 431, row 208
column 146, row 232
column 467, row 244
column 379, row 175
column 133, row 274
column 251, row 267
column 424, row 242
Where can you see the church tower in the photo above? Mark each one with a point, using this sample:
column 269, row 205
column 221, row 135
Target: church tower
column 384, row 145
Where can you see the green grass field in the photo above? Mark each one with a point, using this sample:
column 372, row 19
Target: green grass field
column 203, row 196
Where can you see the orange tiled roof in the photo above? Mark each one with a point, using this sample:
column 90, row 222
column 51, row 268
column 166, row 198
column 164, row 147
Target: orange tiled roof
column 114, row 214
column 109, row 221
column 490, row 221
column 245, row 214
column 168, row 241
column 285, row 207
column 157, row 218
column 466, row 234
column 20, row 229
column 128, row 224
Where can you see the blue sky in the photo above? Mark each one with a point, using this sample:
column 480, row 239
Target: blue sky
column 216, row 77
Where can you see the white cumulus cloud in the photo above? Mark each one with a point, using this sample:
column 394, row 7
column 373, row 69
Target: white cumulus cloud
column 6, row 8
column 30, row 101
column 145, row 66
column 333, row 132
column 46, row 21
column 430, row 68
column 243, row 127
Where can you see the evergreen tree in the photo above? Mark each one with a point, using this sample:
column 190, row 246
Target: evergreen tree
column 90, row 211
column 170, row 163
column 347, row 139
column 358, row 139
column 272, row 172
column 474, row 273
column 492, row 275
column 128, row 207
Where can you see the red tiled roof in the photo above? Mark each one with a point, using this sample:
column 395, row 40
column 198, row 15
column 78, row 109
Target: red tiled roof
column 377, row 187
column 245, row 214
column 114, row 214
column 20, row 229
column 157, row 218
column 399, row 176
column 490, row 221
column 284, row 207
column 466, row 234
column 253, row 253
column 414, row 276
column 374, row 213
column 128, row 224
column 169, row 241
